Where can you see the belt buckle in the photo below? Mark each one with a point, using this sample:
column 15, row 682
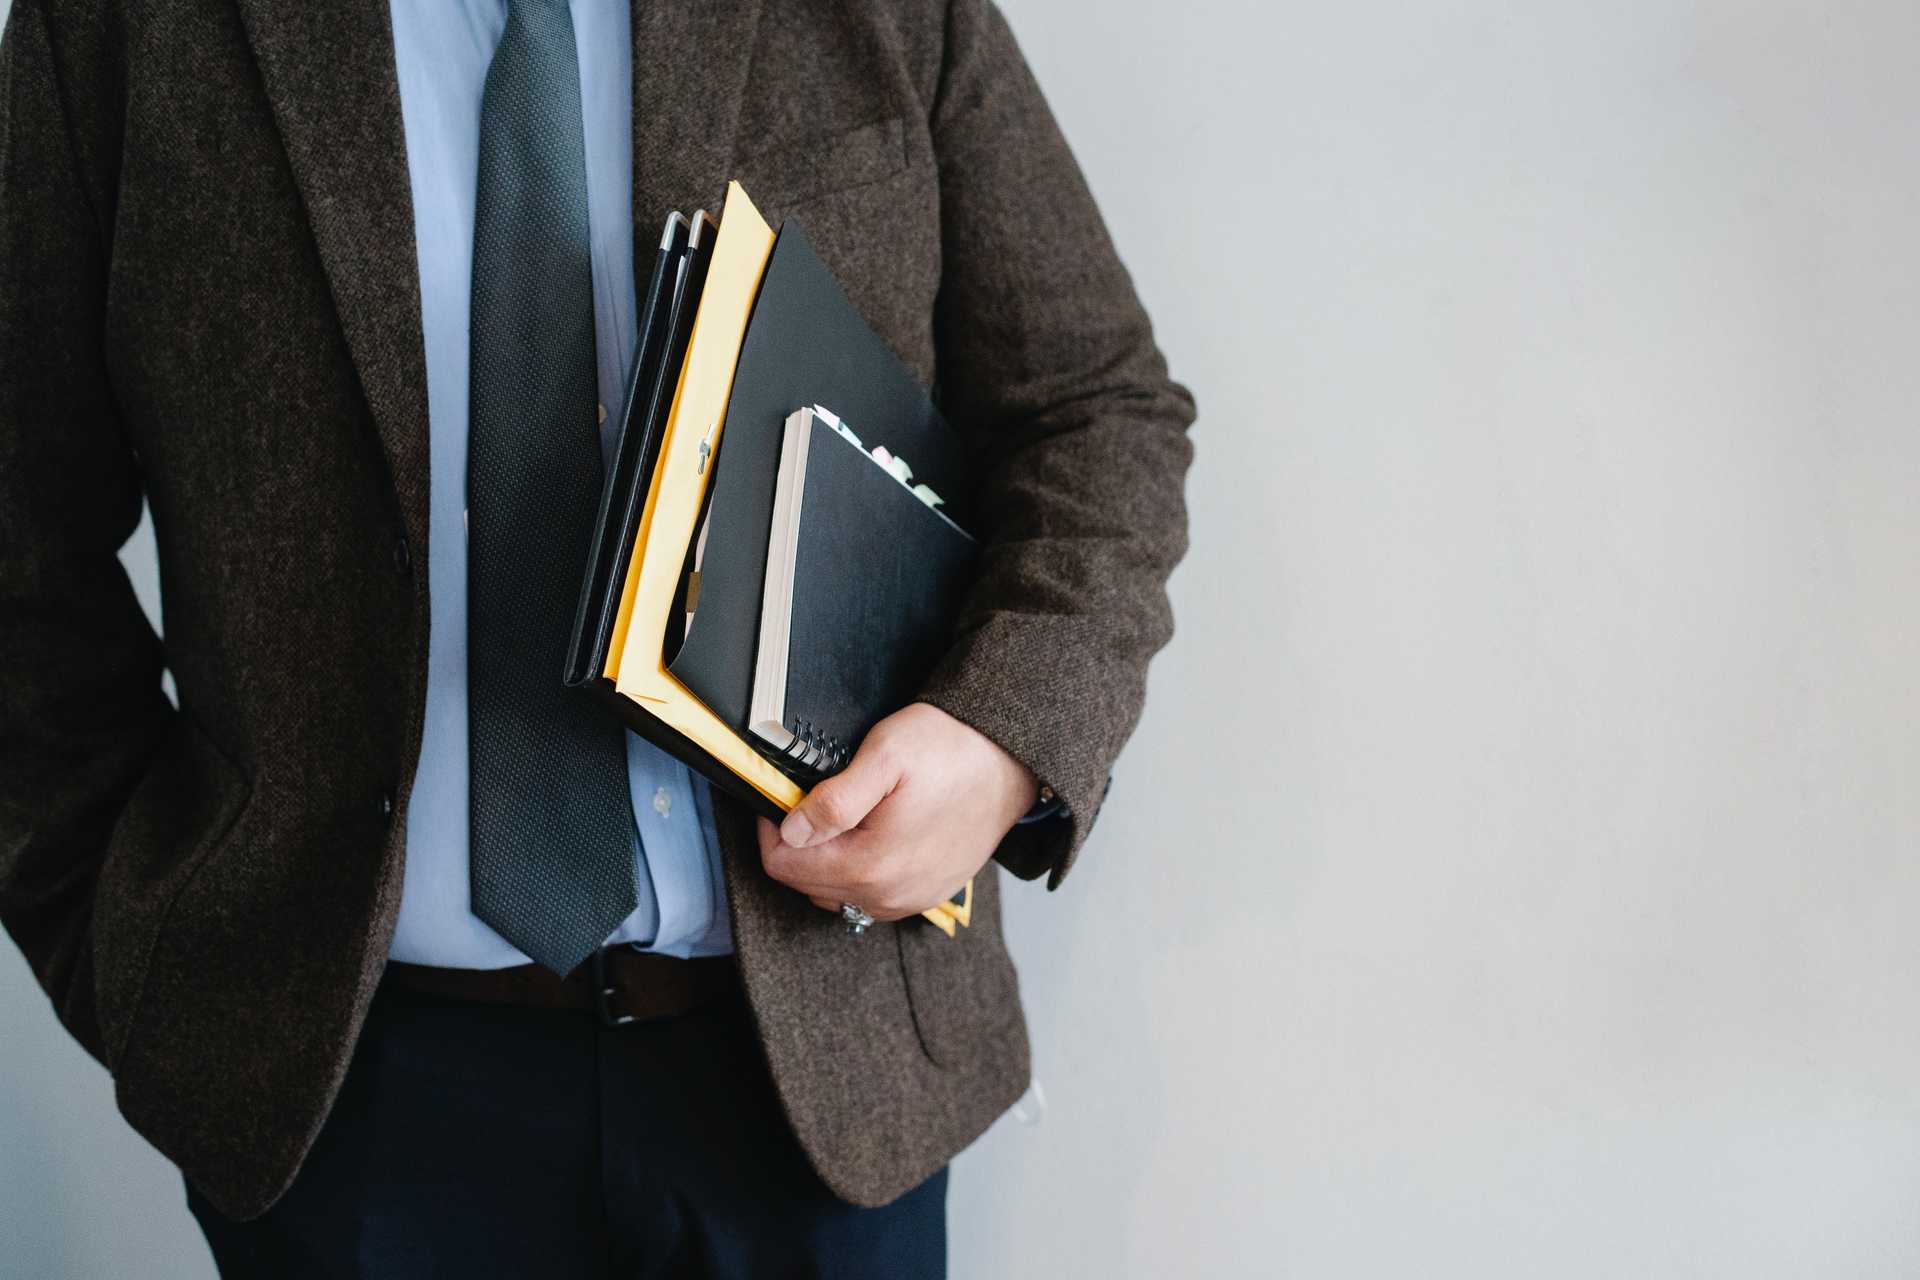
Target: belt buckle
column 603, row 992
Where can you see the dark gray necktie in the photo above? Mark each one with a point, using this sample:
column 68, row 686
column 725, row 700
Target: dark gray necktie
column 552, row 838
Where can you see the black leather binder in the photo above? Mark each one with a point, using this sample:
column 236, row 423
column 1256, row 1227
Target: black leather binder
column 666, row 321
column 862, row 584
column 806, row 344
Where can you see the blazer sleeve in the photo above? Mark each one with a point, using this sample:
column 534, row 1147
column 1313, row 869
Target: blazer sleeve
column 1047, row 360
column 81, row 710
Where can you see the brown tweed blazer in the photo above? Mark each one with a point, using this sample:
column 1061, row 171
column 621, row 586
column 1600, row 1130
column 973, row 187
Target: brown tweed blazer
column 208, row 298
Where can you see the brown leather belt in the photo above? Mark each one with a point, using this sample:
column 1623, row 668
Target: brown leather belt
column 618, row 984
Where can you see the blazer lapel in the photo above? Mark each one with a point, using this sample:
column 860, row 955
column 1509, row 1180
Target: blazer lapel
column 329, row 74
column 691, row 59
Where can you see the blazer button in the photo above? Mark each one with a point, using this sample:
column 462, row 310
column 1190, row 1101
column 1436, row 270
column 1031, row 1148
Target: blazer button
column 402, row 557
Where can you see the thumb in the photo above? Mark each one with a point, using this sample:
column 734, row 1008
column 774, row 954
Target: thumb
column 843, row 800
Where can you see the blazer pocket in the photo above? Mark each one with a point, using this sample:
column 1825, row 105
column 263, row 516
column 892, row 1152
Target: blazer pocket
column 962, row 990
column 185, row 808
column 787, row 173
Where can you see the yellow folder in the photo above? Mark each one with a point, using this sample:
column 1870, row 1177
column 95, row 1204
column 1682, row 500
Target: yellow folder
column 687, row 444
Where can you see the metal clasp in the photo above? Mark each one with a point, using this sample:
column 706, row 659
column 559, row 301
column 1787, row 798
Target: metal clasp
column 604, row 991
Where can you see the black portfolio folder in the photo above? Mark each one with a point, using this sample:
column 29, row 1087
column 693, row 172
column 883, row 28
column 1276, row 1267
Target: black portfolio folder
column 806, row 344
column 666, row 322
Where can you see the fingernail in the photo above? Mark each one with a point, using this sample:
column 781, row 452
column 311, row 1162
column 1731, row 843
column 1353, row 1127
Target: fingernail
column 796, row 831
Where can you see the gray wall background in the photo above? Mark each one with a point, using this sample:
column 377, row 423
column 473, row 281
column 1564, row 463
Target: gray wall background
column 1514, row 873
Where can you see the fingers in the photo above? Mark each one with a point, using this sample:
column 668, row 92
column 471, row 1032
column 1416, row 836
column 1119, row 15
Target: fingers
column 784, row 863
column 862, row 836
column 834, row 872
column 884, row 917
column 845, row 866
column 855, row 868
column 850, row 868
column 828, row 898
column 840, row 802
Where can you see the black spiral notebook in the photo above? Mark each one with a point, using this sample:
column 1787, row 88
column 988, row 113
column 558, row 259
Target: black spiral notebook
column 864, row 576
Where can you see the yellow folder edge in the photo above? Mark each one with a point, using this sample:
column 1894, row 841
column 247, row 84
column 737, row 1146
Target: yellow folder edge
column 635, row 660
column 674, row 496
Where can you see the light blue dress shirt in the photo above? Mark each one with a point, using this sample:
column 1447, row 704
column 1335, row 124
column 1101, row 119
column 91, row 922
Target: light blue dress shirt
column 442, row 48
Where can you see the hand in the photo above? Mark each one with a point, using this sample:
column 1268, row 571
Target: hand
column 919, row 809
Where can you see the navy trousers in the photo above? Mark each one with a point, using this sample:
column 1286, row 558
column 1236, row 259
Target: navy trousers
column 475, row 1140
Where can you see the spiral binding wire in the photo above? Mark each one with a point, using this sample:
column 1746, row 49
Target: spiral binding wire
column 814, row 749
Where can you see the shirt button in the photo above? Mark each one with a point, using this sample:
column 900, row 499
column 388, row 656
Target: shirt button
column 603, row 412
column 662, row 802
column 402, row 556
column 386, row 806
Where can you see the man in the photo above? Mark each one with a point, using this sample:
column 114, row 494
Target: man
column 334, row 287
